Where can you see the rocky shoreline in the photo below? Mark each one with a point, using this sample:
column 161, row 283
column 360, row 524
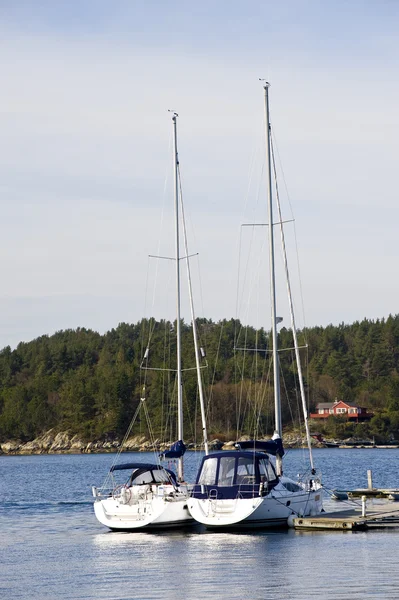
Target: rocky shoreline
column 64, row 442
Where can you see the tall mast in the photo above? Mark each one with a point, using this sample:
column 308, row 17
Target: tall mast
column 180, row 472
column 276, row 366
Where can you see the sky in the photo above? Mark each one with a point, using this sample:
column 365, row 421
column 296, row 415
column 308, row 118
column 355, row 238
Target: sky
column 86, row 160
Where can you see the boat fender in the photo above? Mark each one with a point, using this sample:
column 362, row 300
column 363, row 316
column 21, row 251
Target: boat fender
column 290, row 520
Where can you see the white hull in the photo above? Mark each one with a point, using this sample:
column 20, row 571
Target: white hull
column 151, row 512
column 272, row 510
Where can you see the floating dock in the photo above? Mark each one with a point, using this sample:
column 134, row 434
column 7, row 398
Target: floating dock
column 391, row 493
column 381, row 515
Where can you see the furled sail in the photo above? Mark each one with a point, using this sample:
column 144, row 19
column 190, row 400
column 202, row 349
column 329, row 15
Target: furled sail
column 273, row 447
column 176, row 450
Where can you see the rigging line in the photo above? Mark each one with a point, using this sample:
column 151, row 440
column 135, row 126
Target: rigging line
column 245, row 388
column 210, row 398
column 297, row 405
column 258, row 411
column 267, row 400
column 242, row 383
column 167, row 397
column 256, row 151
column 307, row 378
column 190, row 427
column 251, row 276
column 258, row 387
column 251, row 171
column 152, row 320
column 306, row 420
column 145, row 302
column 255, row 282
column 237, row 334
column 143, row 376
column 256, row 373
column 238, row 303
column 200, row 291
column 151, row 432
column 239, row 389
column 251, row 405
column 297, row 397
column 166, row 360
column 193, row 318
column 166, row 410
column 238, row 372
column 238, row 275
column 286, row 391
column 161, row 226
column 295, row 234
column 127, row 434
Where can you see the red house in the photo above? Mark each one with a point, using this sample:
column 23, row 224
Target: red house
column 348, row 410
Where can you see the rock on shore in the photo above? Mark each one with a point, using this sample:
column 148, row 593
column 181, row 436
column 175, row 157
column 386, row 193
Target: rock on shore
column 53, row 442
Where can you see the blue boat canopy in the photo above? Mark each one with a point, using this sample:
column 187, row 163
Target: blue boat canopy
column 147, row 473
column 125, row 466
column 176, row 450
column 273, row 447
column 229, row 472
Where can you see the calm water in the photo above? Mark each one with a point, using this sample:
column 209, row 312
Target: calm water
column 51, row 546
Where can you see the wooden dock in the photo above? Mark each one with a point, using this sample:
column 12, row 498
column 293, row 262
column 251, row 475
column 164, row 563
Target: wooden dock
column 374, row 492
column 381, row 515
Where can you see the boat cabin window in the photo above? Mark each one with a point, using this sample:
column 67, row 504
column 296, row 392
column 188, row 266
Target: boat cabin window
column 208, row 472
column 291, row 486
column 266, row 470
column 158, row 476
column 245, row 470
column 236, row 470
column 226, row 470
column 161, row 476
column 138, row 478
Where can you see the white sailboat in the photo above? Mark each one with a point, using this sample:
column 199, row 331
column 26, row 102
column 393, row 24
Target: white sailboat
column 153, row 496
column 244, row 489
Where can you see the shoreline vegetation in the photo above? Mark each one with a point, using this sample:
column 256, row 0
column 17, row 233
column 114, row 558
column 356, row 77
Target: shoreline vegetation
column 85, row 387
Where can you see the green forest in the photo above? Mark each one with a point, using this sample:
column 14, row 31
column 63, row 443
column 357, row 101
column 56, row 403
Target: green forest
column 92, row 384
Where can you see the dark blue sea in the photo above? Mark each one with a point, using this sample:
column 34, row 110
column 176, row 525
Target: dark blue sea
column 52, row 547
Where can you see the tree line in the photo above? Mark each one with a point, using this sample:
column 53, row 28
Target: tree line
column 92, row 384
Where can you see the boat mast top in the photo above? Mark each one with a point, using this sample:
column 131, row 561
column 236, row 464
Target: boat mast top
column 276, row 366
column 180, row 472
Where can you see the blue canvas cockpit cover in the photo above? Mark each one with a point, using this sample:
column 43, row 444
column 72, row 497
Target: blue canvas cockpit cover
column 273, row 447
column 176, row 450
column 136, row 465
column 140, row 468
